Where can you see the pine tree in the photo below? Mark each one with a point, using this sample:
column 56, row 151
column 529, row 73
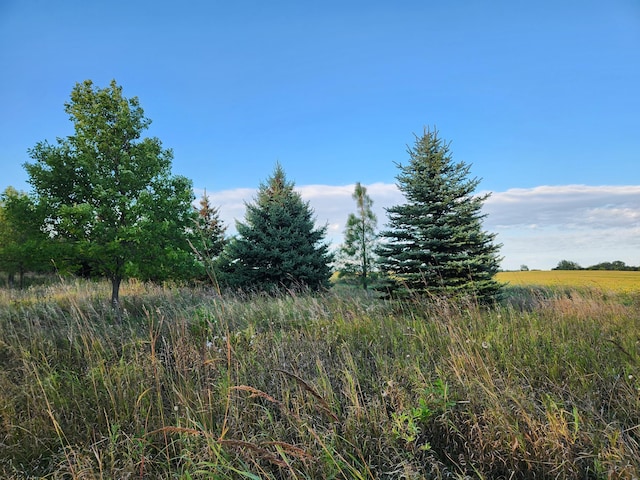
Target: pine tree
column 357, row 251
column 277, row 246
column 435, row 242
column 210, row 230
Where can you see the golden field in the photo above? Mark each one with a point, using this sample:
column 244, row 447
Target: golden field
column 605, row 280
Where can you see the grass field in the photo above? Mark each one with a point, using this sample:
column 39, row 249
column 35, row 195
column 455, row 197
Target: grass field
column 190, row 385
column 604, row 280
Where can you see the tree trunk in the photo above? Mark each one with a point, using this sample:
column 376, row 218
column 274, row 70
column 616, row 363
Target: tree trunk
column 115, row 292
column 365, row 262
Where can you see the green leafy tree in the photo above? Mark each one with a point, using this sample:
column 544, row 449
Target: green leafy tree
column 615, row 265
column 356, row 254
column 278, row 246
column 435, row 242
column 567, row 265
column 24, row 246
column 111, row 193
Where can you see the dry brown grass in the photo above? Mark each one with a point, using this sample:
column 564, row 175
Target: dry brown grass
column 192, row 385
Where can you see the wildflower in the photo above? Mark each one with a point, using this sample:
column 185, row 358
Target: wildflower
column 485, row 345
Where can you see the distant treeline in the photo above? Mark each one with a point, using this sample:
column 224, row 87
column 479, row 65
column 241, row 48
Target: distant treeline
column 616, row 265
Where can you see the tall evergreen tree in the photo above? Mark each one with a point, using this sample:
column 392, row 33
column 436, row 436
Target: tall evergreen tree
column 277, row 245
column 435, row 242
column 357, row 251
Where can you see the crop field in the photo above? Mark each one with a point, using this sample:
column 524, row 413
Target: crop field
column 603, row 280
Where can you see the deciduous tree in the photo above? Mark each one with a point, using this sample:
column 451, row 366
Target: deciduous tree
column 435, row 242
column 567, row 265
column 24, row 246
column 111, row 192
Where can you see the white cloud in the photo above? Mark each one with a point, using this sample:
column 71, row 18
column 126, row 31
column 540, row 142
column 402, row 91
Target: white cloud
column 231, row 204
column 568, row 205
column 331, row 204
column 538, row 226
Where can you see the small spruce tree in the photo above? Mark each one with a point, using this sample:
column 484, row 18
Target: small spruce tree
column 278, row 245
column 208, row 240
column 210, row 231
column 435, row 243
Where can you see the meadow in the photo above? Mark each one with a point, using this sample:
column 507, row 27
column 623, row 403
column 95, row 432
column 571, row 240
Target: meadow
column 192, row 385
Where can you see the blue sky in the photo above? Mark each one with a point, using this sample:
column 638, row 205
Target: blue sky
column 542, row 99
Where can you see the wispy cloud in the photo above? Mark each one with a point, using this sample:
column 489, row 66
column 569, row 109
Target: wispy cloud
column 540, row 226
column 537, row 227
column 568, row 206
column 331, row 204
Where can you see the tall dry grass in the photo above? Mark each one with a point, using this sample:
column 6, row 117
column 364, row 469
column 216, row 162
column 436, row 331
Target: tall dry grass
column 188, row 384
